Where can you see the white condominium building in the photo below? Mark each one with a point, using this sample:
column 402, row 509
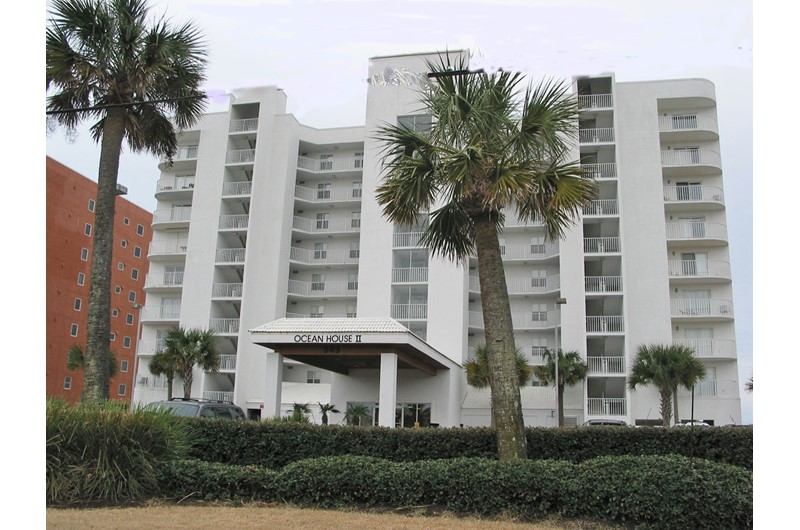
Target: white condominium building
column 267, row 231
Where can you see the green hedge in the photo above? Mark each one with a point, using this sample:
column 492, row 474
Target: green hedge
column 660, row 492
column 275, row 445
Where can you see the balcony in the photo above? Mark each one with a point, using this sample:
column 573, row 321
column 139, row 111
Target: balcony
column 149, row 346
column 605, row 324
column 701, row 269
column 329, row 195
column 406, row 240
column 601, row 245
column 243, row 126
column 227, row 363
column 713, row 388
column 175, row 188
column 523, row 286
column 603, row 284
column 218, row 395
column 326, row 226
column 237, row 189
column 226, row 290
column 529, row 251
column 693, row 197
column 520, row 320
column 324, row 257
column 234, row 222
column 702, row 308
column 240, row 156
column 167, row 248
column 690, row 162
column 167, row 313
column 230, row 255
column 602, row 171
column 409, row 311
column 606, row 365
column 224, row 326
column 320, row 315
column 410, row 275
column 596, row 136
column 697, row 231
column 710, row 348
column 163, row 280
column 319, row 289
column 607, row 406
column 172, row 217
column 601, row 207
column 595, row 102
column 185, row 158
column 688, row 127
column 326, row 165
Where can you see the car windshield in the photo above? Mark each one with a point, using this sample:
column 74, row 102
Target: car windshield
column 177, row 408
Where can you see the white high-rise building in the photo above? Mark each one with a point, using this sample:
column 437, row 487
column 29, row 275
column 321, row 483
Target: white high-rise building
column 267, row 232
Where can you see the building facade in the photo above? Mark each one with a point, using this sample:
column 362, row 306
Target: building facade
column 265, row 219
column 70, row 226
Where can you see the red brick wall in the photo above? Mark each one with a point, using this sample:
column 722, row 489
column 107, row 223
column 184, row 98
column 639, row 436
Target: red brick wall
column 68, row 196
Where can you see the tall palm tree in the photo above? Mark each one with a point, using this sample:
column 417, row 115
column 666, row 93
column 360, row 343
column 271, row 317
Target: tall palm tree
column 190, row 348
column 163, row 364
column 325, row 409
column 665, row 367
column 106, row 60
column 492, row 146
column 571, row 371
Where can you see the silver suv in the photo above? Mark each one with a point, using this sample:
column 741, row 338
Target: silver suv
column 199, row 408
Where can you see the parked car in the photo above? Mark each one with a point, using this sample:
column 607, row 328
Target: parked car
column 604, row 422
column 692, row 423
column 199, row 408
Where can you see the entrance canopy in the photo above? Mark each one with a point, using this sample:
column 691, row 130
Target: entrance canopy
column 342, row 344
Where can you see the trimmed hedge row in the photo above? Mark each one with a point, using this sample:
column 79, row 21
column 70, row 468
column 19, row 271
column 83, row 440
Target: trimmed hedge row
column 661, row 492
column 275, row 445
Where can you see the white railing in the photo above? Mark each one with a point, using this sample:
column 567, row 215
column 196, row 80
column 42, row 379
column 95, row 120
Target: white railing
column 406, row 239
column 410, row 275
column 703, row 348
column 319, row 315
column 604, row 170
column 687, row 122
column 701, row 307
column 595, row 101
column 606, row 365
column 324, row 257
column 167, row 312
column 163, row 279
column 702, row 268
column 217, row 395
column 605, row 324
column 334, row 194
column 690, row 158
column 712, row 388
column 348, row 288
column 696, row 230
column 693, row 193
column 186, row 152
column 607, row 406
column 529, row 251
column 150, row 346
column 224, row 325
column 227, row 363
column 601, row 245
column 245, row 125
column 409, row 311
column 602, row 207
column 315, row 226
column 173, row 215
column 531, row 285
column 330, row 164
column 237, row 188
column 226, row 290
column 603, row 284
column 168, row 247
column 593, row 136
column 233, row 221
column 175, row 183
column 230, row 255
column 520, row 320
column 240, row 156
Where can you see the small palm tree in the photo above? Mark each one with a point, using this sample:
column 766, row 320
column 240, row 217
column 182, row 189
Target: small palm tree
column 300, row 413
column 749, row 384
column 477, row 370
column 357, row 413
column 325, row 409
column 163, row 364
column 571, row 371
column 76, row 360
column 190, row 348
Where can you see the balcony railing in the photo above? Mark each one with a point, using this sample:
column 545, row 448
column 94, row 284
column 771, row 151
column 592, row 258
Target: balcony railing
column 603, row 284
column 515, row 286
column 163, row 279
column 406, row 239
column 687, row 122
column 236, row 189
column 607, row 406
column 246, row 125
column 409, row 311
column 230, row 222
column 520, row 320
column 605, row 324
column 348, row 288
column 330, row 164
column 150, row 346
column 602, row 207
column 606, row 365
column 529, row 251
column 240, row 156
column 320, row 315
column 186, row 152
column 224, row 325
column 691, row 157
column 227, row 363
column 709, row 348
column 173, row 215
column 696, row 230
column 724, row 388
column 410, row 275
column 601, row 245
column 701, row 307
column 333, row 194
column 167, row 247
column 693, row 193
column 216, row 395
column 701, row 268
column 595, row 101
column 230, row 255
column 596, row 136
column 604, row 170
column 324, row 257
column 175, row 183
column 226, row 290
column 316, row 226
column 167, row 312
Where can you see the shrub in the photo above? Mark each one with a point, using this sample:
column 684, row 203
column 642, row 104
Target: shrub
column 180, row 479
column 104, row 453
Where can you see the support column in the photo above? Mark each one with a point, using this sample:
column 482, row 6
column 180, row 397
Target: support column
column 388, row 390
column 272, row 397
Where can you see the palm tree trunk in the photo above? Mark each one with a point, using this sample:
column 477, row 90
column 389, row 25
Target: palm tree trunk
column 499, row 329
column 98, row 328
column 666, row 406
column 561, row 405
column 675, row 404
column 169, row 388
column 188, row 379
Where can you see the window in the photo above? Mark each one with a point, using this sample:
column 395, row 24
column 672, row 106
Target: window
column 115, row 313
column 538, row 346
column 317, row 282
column 120, row 266
column 355, row 251
column 538, row 278
column 113, row 337
column 324, row 190
column 68, row 383
column 126, row 342
column 689, row 191
column 355, row 220
column 357, row 190
column 325, row 162
column 539, row 313
column 688, row 121
column 77, row 304
column 322, row 220
column 131, row 296
column 91, row 205
column 502, row 246
column 123, row 366
column 84, row 254
column 129, row 319
column 352, row 281
column 416, row 123
column 121, row 389
column 412, row 415
column 687, row 155
column 123, row 243
column 137, row 252
column 134, row 274
column 351, row 311
column 537, row 245
column 81, row 278
column 87, row 229
column 317, row 311
column 359, row 160
column 126, row 221
column 73, row 330
column 313, row 376
column 117, row 289
column 139, row 230
column 320, row 250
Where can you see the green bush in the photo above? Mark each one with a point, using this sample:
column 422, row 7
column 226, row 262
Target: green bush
column 104, row 453
column 181, row 479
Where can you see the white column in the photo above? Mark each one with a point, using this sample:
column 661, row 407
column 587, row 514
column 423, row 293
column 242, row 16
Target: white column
column 272, row 396
column 388, row 390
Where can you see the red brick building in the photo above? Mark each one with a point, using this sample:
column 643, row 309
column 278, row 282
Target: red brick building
column 70, row 225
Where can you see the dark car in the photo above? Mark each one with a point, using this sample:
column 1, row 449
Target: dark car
column 199, row 408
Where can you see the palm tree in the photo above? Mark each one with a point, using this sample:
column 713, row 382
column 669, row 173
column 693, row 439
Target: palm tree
column 325, row 409
column 162, row 364
column 571, row 371
column 665, row 367
column 299, row 414
column 106, row 61
column 749, row 384
column 490, row 147
column 190, row 348
column 357, row 413
column 477, row 370
column 76, row 360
